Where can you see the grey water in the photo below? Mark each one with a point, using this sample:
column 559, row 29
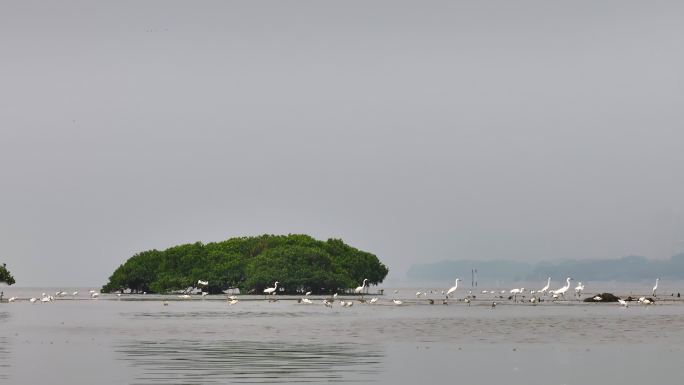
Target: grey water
column 138, row 340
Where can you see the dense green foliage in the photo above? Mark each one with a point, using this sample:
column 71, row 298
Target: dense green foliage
column 298, row 262
column 5, row 275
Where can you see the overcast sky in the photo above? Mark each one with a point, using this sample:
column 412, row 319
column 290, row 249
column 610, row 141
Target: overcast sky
column 419, row 131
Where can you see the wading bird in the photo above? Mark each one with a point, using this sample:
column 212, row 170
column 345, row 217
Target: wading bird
column 453, row 288
column 579, row 289
column 545, row 289
column 271, row 290
column 359, row 289
column 515, row 293
column 655, row 287
column 563, row 289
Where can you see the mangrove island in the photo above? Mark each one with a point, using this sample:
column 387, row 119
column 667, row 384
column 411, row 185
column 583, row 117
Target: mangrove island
column 298, row 262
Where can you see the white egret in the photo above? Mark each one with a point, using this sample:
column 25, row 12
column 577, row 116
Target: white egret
column 12, row 299
column 453, row 288
column 397, row 302
column 94, row 295
column 374, row 300
column 467, row 300
column 563, row 289
column 545, row 289
column 204, row 293
column 335, row 295
column 306, row 300
column 202, row 283
column 271, row 290
column 359, row 289
column 418, row 294
column 33, row 300
column 655, row 287
column 647, row 301
column 515, row 292
column 307, row 293
column 579, row 289
column 623, row 302
column 74, row 293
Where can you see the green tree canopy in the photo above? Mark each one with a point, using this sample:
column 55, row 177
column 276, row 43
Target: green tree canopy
column 298, row 262
column 5, row 275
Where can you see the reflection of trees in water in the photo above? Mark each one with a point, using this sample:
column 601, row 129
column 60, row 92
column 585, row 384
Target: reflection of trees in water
column 183, row 361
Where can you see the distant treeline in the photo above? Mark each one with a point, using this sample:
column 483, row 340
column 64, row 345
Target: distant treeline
column 626, row 268
column 297, row 262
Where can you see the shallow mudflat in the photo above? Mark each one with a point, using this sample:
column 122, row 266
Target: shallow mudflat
column 196, row 341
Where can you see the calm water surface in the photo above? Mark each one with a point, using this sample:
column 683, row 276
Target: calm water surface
column 110, row 341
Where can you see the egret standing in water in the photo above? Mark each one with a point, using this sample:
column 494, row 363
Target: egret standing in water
column 563, row 289
column 545, row 289
column 271, row 290
column 655, row 287
column 515, row 293
column 453, row 288
column 578, row 290
column 359, row 289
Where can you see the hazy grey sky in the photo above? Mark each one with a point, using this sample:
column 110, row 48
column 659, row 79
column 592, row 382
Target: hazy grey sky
column 419, row 131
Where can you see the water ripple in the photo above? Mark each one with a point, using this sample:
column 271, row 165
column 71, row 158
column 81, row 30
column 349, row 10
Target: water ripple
column 188, row 361
column 213, row 314
column 4, row 358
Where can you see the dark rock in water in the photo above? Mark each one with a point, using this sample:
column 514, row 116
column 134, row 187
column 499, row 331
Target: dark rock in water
column 605, row 297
